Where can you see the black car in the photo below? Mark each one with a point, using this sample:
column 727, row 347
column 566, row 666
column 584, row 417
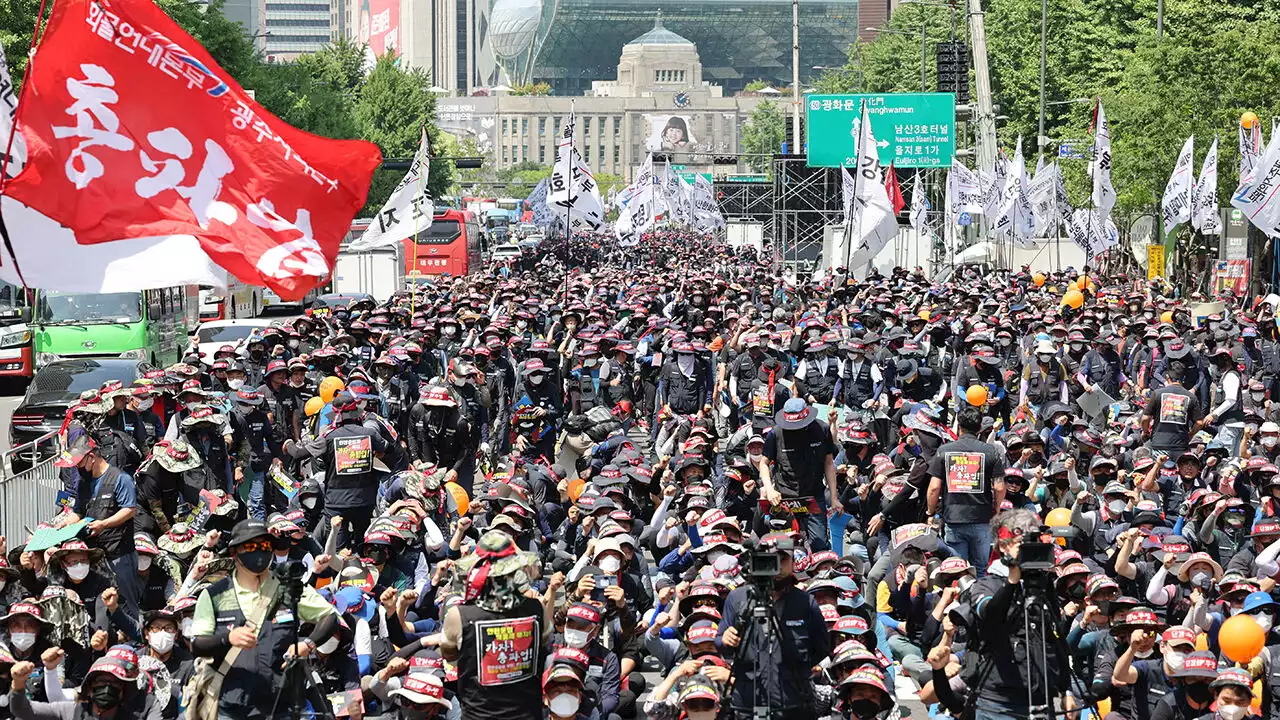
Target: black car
column 54, row 389
column 336, row 301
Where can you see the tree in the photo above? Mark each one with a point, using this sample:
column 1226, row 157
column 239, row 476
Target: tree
column 762, row 135
column 755, row 86
column 537, row 89
column 393, row 107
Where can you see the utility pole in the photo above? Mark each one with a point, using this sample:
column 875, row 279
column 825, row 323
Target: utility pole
column 1159, row 19
column 795, row 79
column 924, row 55
column 985, row 117
column 1041, row 140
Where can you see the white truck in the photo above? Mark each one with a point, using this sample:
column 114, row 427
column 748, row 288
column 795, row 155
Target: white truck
column 379, row 272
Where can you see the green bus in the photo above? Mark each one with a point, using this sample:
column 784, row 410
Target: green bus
column 151, row 325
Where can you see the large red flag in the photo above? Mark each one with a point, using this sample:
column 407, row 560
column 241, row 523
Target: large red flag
column 134, row 131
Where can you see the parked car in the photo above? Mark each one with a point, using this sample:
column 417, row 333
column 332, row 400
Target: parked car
column 214, row 334
column 53, row 390
column 340, row 300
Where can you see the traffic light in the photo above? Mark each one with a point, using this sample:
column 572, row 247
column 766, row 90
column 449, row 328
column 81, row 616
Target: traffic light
column 953, row 69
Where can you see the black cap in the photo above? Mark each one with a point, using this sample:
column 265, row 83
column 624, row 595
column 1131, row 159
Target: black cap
column 247, row 530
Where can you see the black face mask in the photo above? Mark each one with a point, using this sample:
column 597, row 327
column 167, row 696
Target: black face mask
column 1076, row 592
column 255, row 562
column 107, row 696
column 863, row 709
column 1201, row 693
column 377, row 555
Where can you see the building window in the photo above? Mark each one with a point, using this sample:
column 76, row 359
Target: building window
column 617, row 124
column 586, row 125
column 542, row 126
column 506, row 154
column 524, row 153
column 524, row 126
column 542, row 154
column 557, row 124
column 504, row 126
column 600, row 155
column 617, row 154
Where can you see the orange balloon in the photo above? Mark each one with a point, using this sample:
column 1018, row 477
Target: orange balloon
column 1248, row 119
column 1241, row 638
column 576, row 486
column 1082, row 282
column 1038, row 279
column 1202, row 642
column 1074, row 298
column 459, row 497
column 976, row 395
column 1058, row 517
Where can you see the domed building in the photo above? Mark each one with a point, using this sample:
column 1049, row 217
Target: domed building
column 658, row 102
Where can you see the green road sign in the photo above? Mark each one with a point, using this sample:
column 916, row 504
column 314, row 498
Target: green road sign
column 690, row 176
column 747, row 178
column 912, row 129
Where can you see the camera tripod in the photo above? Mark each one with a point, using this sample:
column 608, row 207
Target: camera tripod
column 1035, row 608
column 300, row 684
column 758, row 621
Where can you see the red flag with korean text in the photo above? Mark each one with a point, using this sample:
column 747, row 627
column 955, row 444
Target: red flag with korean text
column 894, row 190
column 134, row 131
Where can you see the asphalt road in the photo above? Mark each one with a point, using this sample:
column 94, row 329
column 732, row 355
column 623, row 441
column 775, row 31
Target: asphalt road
column 8, row 402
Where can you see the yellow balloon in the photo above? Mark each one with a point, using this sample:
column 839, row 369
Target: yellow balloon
column 314, row 406
column 1058, row 517
column 1082, row 282
column 1248, row 119
column 329, row 387
column 976, row 395
column 1073, row 298
column 1166, row 316
column 923, row 315
column 1038, row 279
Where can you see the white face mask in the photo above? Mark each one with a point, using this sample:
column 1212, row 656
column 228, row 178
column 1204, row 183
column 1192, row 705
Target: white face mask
column 713, row 556
column 610, row 564
column 235, row 384
column 754, row 458
column 1175, row 659
column 328, row 646
column 1232, row 712
column 563, row 705
column 144, row 563
column 576, row 638
column 161, row 642
column 188, row 627
column 22, row 641
column 1264, row 621
column 702, row 715
column 1117, row 506
column 537, row 379
column 1270, row 441
column 309, row 503
column 145, row 404
column 78, row 572
column 1258, row 397
column 1144, row 654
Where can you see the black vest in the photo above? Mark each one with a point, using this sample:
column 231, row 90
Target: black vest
column 1042, row 386
column 858, row 388
column 351, row 481
column 800, row 465
column 499, row 661
column 115, row 541
column 824, row 385
column 255, row 676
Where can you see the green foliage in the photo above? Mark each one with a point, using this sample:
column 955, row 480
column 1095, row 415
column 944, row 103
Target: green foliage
column 755, row 86
column 762, row 135
column 1216, row 60
column 538, row 89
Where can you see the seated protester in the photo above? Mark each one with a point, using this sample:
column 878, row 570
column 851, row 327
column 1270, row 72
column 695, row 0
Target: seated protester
column 28, row 636
column 73, row 565
column 161, row 632
column 563, row 695
column 1192, row 694
column 420, row 697
column 603, row 681
column 110, row 692
column 1139, row 668
column 157, row 571
column 863, row 695
column 689, row 692
column 1232, row 694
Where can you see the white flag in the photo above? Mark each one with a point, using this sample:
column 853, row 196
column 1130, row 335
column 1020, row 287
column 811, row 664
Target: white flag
column 1204, row 198
column 1250, row 140
column 993, row 189
column 1258, row 197
column 1090, row 234
column 49, row 257
column 408, row 211
column 1015, row 217
column 640, row 206
column 572, row 188
column 1104, row 195
column 847, row 190
column 1176, row 203
column 874, row 223
column 920, row 209
column 1043, row 194
column 705, row 206
column 964, row 195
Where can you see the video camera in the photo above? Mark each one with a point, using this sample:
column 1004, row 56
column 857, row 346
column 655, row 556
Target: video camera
column 761, row 565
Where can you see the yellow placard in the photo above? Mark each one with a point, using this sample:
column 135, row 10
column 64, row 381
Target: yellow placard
column 1155, row 262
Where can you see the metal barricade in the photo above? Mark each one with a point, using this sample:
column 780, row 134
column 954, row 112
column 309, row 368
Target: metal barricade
column 29, row 496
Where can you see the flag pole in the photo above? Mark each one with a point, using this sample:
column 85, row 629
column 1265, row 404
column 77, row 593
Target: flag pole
column 568, row 208
column 857, row 172
column 425, row 142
